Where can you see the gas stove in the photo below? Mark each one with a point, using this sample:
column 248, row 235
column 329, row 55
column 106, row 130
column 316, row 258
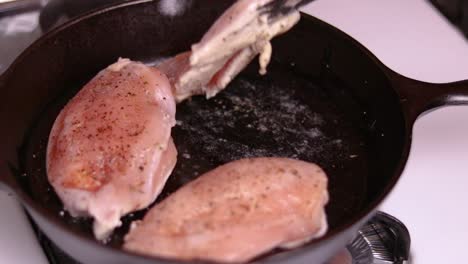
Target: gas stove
column 412, row 38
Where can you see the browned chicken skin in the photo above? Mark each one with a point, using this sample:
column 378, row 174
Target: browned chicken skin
column 236, row 212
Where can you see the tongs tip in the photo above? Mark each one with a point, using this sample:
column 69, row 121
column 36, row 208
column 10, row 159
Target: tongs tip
column 277, row 8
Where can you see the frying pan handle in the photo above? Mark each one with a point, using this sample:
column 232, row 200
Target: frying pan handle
column 419, row 97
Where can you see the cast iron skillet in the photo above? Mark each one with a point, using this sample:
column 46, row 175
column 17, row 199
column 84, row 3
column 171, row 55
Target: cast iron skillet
column 326, row 99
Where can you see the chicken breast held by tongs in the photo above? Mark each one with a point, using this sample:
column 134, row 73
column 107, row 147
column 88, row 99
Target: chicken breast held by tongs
column 235, row 39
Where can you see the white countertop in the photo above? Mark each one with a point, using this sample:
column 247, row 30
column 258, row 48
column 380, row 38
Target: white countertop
column 413, row 39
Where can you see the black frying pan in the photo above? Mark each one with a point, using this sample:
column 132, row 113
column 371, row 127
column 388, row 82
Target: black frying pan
column 326, row 99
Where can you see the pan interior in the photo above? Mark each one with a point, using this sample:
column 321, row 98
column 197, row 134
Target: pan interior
column 323, row 101
column 282, row 114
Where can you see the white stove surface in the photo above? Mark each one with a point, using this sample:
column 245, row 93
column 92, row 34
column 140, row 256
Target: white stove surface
column 412, row 38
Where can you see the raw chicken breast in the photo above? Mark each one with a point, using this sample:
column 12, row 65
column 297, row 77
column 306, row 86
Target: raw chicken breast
column 236, row 212
column 237, row 37
column 110, row 151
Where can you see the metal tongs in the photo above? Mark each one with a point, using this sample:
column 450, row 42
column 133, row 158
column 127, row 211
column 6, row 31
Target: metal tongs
column 280, row 8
